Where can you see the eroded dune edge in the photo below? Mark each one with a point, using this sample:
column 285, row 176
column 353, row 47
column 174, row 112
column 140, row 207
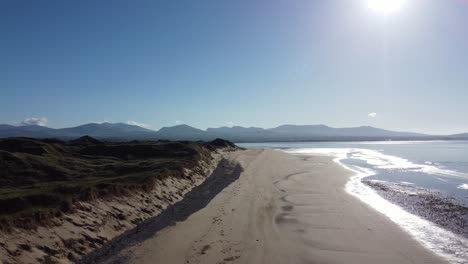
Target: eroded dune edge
column 63, row 200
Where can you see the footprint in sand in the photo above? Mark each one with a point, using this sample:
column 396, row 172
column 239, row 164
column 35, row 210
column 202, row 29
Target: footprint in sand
column 231, row 258
column 204, row 249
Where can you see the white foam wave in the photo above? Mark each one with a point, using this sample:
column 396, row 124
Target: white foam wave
column 444, row 243
column 380, row 160
column 463, row 186
column 406, row 183
column 440, row 179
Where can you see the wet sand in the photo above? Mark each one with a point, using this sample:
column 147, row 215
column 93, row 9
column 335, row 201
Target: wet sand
column 278, row 209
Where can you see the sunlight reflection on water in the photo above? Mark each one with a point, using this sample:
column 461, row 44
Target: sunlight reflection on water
column 444, row 243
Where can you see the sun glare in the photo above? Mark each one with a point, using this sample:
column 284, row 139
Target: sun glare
column 385, row 6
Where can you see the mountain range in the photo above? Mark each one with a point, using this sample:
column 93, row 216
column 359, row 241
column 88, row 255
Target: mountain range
column 125, row 132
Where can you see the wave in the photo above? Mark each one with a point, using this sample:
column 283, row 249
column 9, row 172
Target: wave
column 406, row 183
column 444, row 243
column 380, row 160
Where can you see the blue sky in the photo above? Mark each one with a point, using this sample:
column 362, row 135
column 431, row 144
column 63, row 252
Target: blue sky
column 250, row 63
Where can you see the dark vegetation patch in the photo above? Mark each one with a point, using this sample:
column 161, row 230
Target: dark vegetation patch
column 40, row 179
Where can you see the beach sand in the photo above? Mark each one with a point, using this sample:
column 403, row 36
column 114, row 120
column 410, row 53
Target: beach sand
column 280, row 209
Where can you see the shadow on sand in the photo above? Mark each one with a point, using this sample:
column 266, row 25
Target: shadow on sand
column 196, row 199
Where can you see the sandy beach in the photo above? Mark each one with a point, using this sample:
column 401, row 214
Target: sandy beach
column 278, row 208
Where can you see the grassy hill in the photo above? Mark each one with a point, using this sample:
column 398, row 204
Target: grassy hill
column 44, row 178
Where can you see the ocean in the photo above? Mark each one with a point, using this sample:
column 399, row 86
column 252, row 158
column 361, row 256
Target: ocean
column 420, row 185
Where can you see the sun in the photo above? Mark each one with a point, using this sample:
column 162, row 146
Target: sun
column 386, row 6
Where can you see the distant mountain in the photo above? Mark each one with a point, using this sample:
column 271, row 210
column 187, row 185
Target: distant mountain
column 460, row 136
column 108, row 130
column 6, row 127
column 316, row 129
column 323, row 130
column 235, row 129
column 122, row 132
column 35, row 128
column 183, row 132
column 116, row 131
column 239, row 134
column 25, row 131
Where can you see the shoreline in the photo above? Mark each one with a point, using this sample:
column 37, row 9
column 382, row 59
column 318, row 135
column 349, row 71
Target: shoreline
column 281, row 209
column 438, row 230
column 437, row 208
column 446, row 244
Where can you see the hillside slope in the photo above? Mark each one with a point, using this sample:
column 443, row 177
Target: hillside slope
column 60, row 200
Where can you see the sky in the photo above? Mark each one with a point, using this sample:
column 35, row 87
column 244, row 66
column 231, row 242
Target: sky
column 246, row 62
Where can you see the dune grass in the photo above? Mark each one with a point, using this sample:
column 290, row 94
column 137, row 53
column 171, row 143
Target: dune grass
column 39, row 178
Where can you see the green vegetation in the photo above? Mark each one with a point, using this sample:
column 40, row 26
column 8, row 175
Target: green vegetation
column 41, row 178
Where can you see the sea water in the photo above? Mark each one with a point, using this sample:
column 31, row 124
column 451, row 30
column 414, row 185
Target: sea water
column 437, row 169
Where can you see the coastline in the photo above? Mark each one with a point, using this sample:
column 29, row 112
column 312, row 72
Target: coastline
column 438, row 208
column 415, row 220
column 449, row 246
column 281, row 209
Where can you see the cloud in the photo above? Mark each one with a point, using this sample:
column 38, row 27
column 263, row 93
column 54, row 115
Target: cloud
column 34, row 121
column 372, row 115
column 229, row 124
column 178, row 122
column 134, row 123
